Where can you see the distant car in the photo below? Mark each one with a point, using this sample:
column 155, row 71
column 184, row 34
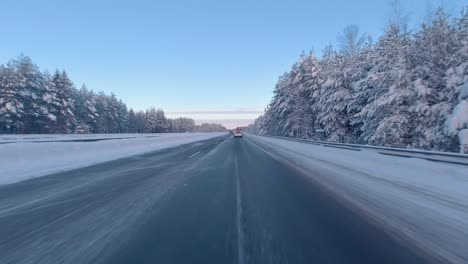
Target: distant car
column 238, row 132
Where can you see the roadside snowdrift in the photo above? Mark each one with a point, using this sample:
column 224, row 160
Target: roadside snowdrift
column 28, row 156
column 423, row 201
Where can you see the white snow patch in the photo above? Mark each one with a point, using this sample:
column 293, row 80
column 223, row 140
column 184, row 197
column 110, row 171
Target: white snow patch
column 463, row 137
column 47, row 97
column 51, row 117
column 10, row 107
column 24, row 159
column 464, row 91
column 459, row 117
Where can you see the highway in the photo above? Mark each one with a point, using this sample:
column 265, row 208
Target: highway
column 222, row 200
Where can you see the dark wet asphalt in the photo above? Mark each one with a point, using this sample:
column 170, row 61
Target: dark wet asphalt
column 222, row 200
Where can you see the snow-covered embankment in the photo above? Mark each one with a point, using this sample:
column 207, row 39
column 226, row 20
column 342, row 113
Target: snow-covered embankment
column 24, row 157
column 421, row 201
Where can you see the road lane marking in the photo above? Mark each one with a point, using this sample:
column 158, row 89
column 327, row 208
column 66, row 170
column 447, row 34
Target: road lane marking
column 240, row 231
column 194, row 154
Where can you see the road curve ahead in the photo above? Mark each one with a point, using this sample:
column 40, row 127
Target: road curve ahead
column 222, row 200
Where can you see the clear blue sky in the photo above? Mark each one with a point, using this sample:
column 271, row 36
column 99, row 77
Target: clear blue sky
column 186, row 55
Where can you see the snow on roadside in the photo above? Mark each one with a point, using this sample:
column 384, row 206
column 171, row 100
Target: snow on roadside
column 13, row 138
column 463, row 138
column 459, row 118
column 425, row 202
column 23, row 160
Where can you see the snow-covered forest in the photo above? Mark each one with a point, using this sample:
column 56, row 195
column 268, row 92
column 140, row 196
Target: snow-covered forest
column 33, row 101
column 406, row 89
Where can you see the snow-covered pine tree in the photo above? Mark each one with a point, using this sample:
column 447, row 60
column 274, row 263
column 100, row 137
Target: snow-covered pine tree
column 457, row 84
column 101, row 110
column 132, row 121
column 161, row 122
column 112, row 114
column 181, row 125
column 31, row 86
column 306, row 92
column 85, row 110
column 32, row 101
column 388, row 114
column 151, row 120
column 140, row 121
column 278, row 121
column 263, row 122
column 335, row 97
column 11, row 101
column 339, row 71
column 433, row 49
column 187, row 124
column 363, row 93
column 122, row 115
column 174, row 125
column 62, row 103
column 402, row 91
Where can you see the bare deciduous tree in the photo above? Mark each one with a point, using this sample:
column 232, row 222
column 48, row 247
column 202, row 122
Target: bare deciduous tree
column 399, row 15
column 350, row 41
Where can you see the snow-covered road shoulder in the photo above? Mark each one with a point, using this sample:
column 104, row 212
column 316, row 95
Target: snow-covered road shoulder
column 421, row 201
column 29, row 156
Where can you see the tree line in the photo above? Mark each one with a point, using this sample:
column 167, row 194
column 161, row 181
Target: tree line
column 407, row 89
column 33, row 101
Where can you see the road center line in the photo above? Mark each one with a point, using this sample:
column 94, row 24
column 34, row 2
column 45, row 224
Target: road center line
column 240, row 231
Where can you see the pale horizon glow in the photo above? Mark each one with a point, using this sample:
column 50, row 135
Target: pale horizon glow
column 228, row 123
column 230, row 118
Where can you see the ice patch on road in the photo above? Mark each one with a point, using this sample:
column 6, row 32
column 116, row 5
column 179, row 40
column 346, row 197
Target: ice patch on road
column 21, row 160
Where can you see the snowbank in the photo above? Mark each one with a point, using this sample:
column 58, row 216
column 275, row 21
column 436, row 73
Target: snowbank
column 71, row 137
column 463, row 138
column 423, row 201
column 27, row 156
column 459, row 117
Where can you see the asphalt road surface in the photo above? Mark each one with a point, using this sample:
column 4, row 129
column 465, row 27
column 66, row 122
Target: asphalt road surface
column 222, row 200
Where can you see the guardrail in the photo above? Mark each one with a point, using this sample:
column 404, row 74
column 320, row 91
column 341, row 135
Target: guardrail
column 447, row 157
